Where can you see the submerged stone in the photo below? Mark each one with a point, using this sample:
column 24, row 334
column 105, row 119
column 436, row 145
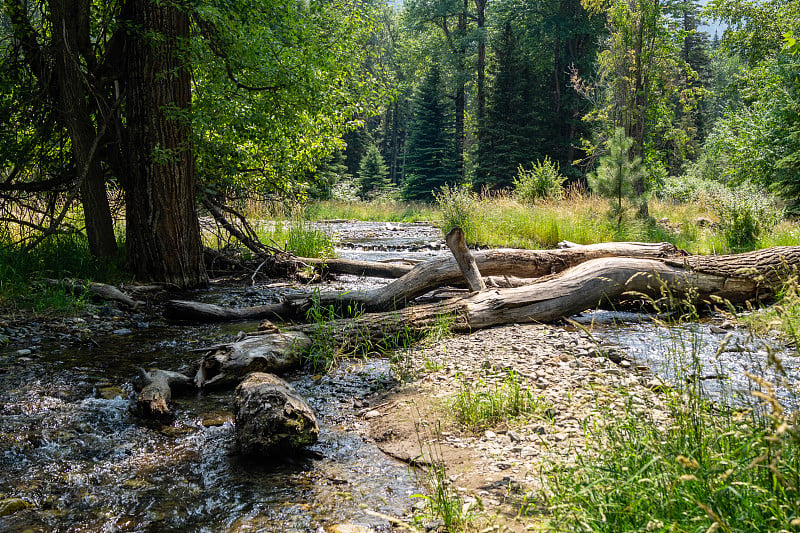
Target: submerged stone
column 12, row 505
column 271, row 418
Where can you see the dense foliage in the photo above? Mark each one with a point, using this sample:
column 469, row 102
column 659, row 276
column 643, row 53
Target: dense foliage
column 323, row 98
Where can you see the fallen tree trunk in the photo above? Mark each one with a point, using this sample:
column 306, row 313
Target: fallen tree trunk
column 427, row 276
column 156, row 394
column 357, row 268
column 551, row 298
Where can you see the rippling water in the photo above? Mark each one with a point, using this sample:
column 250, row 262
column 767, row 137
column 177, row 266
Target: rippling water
column 721, row 358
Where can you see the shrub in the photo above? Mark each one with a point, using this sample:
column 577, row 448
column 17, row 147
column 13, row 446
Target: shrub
column 686, row 188
column 745, row 213
column 542, row 182
column 458, row 206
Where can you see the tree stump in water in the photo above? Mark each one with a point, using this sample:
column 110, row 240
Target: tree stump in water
column 270, row 418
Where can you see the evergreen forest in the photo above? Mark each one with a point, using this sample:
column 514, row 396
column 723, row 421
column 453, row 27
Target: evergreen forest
column 131, row 110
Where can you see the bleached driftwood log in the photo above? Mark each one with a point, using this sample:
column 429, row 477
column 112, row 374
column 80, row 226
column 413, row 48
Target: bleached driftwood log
column 424, row 277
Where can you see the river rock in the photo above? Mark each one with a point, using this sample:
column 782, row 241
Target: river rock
column 12, row 505
column 271, row 418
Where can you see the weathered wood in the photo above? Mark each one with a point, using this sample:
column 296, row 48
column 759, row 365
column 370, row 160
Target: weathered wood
column 202, row 312
column 156, row 394
column 357, row 268
column 768, row 267
column 226, row 364
column 549, row 299
column 466, row 262
column 100, row 290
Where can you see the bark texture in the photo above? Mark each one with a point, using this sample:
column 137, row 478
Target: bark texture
column 163, row 233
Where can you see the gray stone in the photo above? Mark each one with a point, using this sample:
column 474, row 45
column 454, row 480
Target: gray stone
column 271, row 418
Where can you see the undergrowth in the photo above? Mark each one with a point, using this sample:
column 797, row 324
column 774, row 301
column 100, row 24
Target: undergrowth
column 337, row 334
column 23, row 273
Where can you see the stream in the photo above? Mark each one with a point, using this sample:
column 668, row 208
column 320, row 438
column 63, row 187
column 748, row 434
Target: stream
column 69, row 446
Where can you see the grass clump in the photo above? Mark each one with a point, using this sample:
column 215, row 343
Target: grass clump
column 478, row 406
column 298, row 237
column 22, row 273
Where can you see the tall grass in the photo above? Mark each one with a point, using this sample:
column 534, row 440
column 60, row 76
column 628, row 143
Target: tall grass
column 59, row 256
column 709, row 467
column 297, row 236
column 478, row 405
column 371, row 211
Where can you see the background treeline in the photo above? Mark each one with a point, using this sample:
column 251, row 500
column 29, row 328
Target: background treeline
column 484, row 88
column 108, row 106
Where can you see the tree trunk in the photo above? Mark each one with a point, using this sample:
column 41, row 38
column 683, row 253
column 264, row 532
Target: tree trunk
column 163, row 234
column 67, row 86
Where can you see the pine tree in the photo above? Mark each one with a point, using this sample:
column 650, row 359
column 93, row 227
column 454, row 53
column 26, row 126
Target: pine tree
column 373, row 176
column 431, row 153
column 616, row 175
column 509, row 137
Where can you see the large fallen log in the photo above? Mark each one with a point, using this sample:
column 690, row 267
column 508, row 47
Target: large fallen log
column 552, row 298
column 739, row 278
column 425, row 277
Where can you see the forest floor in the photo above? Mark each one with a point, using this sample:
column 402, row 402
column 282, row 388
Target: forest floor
column 499, row 467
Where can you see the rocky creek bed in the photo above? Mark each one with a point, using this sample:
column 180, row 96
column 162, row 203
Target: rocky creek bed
column 72, row 453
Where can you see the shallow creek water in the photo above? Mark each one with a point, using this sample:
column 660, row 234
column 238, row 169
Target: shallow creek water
column 70, row 447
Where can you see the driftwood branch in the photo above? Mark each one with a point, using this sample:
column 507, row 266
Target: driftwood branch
column 466, row 262
column 154, row 398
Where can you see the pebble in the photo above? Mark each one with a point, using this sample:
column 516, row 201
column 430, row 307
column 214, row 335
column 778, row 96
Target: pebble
column 578, row 385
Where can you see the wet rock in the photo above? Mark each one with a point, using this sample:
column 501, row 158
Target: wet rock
column 349, row 528
column 10, row 506
column 110, row 392
column 270, row 417
column 215, row 419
